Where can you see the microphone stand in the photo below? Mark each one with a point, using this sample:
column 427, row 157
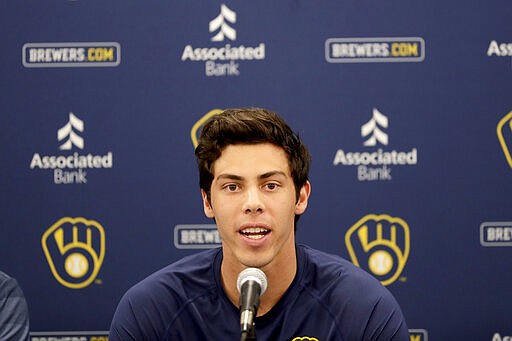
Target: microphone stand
column 247, row 332
column 248, row 335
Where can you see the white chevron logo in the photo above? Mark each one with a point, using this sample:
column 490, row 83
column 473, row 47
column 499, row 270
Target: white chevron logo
column 219, row 23
column 68, row 131
column 372, row 127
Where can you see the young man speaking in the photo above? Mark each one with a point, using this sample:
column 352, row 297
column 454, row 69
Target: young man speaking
column 253, row 174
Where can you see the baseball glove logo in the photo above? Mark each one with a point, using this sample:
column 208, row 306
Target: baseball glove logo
column 74, row 249
column 379, row 244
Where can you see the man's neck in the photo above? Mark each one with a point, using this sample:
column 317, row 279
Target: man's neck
column 280, row 276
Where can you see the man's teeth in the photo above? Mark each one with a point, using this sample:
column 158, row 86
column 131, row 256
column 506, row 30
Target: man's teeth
column 254, row 232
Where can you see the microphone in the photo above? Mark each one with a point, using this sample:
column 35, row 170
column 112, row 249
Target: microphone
column 251, row 283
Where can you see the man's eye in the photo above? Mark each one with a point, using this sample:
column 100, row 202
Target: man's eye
column 231, row 188
column 271, row 186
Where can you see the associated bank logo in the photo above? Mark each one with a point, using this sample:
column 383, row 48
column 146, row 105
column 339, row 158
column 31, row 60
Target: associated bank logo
column 379, row 244
column 196, row 128
column 504, row 131
column 196, row 236
column 223, row 60
column 373, row 132
column 375, row 164
column 375, row 50
column 496, row 233
column 71, row 168
column 42, row 55
column 67, row 133
column 220, row 23
column 74, row 249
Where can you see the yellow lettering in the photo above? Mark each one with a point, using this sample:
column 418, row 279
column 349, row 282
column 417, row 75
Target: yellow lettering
column 404, row 49
column 100, row 54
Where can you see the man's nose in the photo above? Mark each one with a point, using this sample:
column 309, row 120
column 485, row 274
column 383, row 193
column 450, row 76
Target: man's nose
column 253, row 201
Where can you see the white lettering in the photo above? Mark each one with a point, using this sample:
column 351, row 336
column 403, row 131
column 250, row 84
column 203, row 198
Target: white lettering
column 499, row 234
column 36, row 161
column 66, row 178
column 224, row 53
column 200, row 237
column 71, row 161
column 351, row 50
column 50, row 55
column 500, row 50
column 371, row 174
column 377, row 158
column 493, row 49
column 62, row 338
column 227, row 69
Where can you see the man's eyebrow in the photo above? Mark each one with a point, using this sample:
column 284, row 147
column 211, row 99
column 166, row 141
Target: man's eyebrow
column 261, row 177
column 271, row 174
column 230, row 177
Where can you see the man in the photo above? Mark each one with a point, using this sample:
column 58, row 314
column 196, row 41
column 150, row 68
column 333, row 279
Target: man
column 253, row 174
column 14, row 322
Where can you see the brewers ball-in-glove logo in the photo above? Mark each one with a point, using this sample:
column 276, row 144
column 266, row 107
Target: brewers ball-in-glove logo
column 74, row 248
column 504, row 131
column 379, row 244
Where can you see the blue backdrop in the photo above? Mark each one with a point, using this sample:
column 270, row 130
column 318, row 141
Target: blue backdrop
column 406, row 107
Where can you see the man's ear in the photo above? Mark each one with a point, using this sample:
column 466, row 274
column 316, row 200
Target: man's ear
column 302, row 202
column 207, row 207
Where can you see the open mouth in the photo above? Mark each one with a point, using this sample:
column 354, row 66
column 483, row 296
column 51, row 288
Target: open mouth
column 254, row 232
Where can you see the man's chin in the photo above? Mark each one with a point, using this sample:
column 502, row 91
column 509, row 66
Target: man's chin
column 256, row 261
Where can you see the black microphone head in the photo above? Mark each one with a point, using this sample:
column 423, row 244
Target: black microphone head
column 253, row 274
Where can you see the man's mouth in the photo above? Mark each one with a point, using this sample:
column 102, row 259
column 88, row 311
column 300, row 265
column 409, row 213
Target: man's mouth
column 254, row 232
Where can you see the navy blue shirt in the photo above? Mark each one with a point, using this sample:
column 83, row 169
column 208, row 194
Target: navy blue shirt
column 329, row 299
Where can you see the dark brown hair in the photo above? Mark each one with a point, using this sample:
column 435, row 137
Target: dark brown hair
column 249, row 126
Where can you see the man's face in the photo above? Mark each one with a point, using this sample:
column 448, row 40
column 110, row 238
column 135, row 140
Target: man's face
column 254, row 203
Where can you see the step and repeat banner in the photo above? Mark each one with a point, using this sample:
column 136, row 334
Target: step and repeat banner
column 406, row 107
